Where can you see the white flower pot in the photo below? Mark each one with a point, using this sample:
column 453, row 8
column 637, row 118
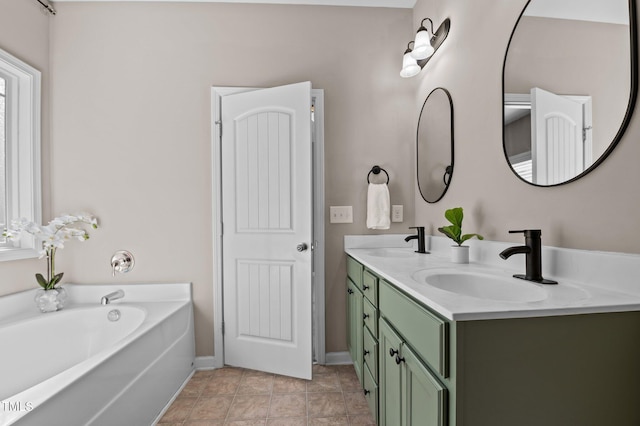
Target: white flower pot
column 460, row 254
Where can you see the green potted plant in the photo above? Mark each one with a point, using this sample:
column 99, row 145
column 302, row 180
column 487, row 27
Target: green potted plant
column 459, row 253
column 51, row 297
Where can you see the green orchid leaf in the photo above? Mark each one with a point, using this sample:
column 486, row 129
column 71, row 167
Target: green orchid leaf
column 42, row 281
column 56, row 279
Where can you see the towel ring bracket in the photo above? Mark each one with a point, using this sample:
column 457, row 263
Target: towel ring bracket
column 376, row 171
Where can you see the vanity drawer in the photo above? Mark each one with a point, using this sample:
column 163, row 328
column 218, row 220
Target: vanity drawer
column 370, row 353
column 427, row 333
column 354, row 271
column 370, row 315
column 371, row 393
column 370, row 286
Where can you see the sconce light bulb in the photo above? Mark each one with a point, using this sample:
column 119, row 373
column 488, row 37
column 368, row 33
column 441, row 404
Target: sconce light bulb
column 410, row 67
column 422, row 47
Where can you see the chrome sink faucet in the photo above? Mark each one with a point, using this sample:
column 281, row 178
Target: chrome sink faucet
column 420, row 237
column 533, row 251
column 118, row 294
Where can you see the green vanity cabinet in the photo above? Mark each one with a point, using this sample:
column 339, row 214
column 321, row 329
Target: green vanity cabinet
column 420, row 369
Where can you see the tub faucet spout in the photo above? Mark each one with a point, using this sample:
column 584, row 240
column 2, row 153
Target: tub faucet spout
column 119, row 294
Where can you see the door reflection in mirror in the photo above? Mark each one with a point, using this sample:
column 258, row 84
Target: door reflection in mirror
column 548, row 137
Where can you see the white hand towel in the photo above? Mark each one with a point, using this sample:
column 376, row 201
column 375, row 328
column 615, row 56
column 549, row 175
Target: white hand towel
column 378, row 210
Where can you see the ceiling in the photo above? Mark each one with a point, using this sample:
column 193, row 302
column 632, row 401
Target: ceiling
column 402, row 4
column 611, row 11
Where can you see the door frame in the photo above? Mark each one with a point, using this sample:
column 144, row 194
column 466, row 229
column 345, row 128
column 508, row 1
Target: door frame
column 317, row 262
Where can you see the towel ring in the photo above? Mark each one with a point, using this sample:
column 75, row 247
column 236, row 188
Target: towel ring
column 376, row 171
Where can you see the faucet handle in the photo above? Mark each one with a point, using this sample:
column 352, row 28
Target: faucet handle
column 122, row 261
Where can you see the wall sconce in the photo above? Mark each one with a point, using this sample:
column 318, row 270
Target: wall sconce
column 424, row 46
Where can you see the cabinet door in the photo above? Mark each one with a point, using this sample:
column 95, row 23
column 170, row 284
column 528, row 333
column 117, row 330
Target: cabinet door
column 389, row 390
column 423, row 397
column 355, row 326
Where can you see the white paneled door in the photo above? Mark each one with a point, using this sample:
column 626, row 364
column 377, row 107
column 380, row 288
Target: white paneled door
column 267, row 229
column 557, row 136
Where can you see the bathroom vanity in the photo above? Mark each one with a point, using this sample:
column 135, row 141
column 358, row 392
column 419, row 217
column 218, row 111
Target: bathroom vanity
column 430, row 349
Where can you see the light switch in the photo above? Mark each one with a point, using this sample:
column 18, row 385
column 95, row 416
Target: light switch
column 397, row 213
column 341, row 214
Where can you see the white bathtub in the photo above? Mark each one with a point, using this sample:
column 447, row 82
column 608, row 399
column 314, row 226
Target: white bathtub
column 77, row 367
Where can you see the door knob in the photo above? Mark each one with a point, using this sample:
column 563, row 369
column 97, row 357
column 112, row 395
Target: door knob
column 302, row 247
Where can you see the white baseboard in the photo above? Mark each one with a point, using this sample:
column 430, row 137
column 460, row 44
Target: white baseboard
column 205, row 363
column 331, row 358
column 337, row 358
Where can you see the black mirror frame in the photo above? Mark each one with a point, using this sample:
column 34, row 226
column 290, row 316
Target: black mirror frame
column 449, row 168
column 633, row 47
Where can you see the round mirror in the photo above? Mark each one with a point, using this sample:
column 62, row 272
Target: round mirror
column 569, row 87
column 435, row 145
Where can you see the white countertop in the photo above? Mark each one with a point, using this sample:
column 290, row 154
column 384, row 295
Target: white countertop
column 404, row 268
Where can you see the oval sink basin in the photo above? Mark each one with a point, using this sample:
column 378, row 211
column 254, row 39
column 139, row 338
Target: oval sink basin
column 391, row 252
column 482, row 285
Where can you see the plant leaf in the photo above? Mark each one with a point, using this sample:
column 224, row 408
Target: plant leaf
column 452, row 232
column 454, row 216
column 466, row 237
column 43, row 283
column 56, row 279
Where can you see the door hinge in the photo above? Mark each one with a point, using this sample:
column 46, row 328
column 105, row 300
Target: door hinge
column 219, row 124
column 223, row 328
column 584, row 133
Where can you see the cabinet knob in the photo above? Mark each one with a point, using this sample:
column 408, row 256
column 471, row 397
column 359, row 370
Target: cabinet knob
column 365, row 316
column 349, row 291
column 367, row 392
column 366, row 352
column 365, row 287
column 399, row 360
column 392, row 352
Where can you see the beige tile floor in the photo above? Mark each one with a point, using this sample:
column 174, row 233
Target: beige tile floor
column 239, row 397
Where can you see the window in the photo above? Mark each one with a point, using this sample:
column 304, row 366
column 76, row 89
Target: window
column 20, row 194
column 3, row 188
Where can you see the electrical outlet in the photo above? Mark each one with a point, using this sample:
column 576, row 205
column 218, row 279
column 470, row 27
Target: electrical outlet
column 396, row 213
column 341, row 214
